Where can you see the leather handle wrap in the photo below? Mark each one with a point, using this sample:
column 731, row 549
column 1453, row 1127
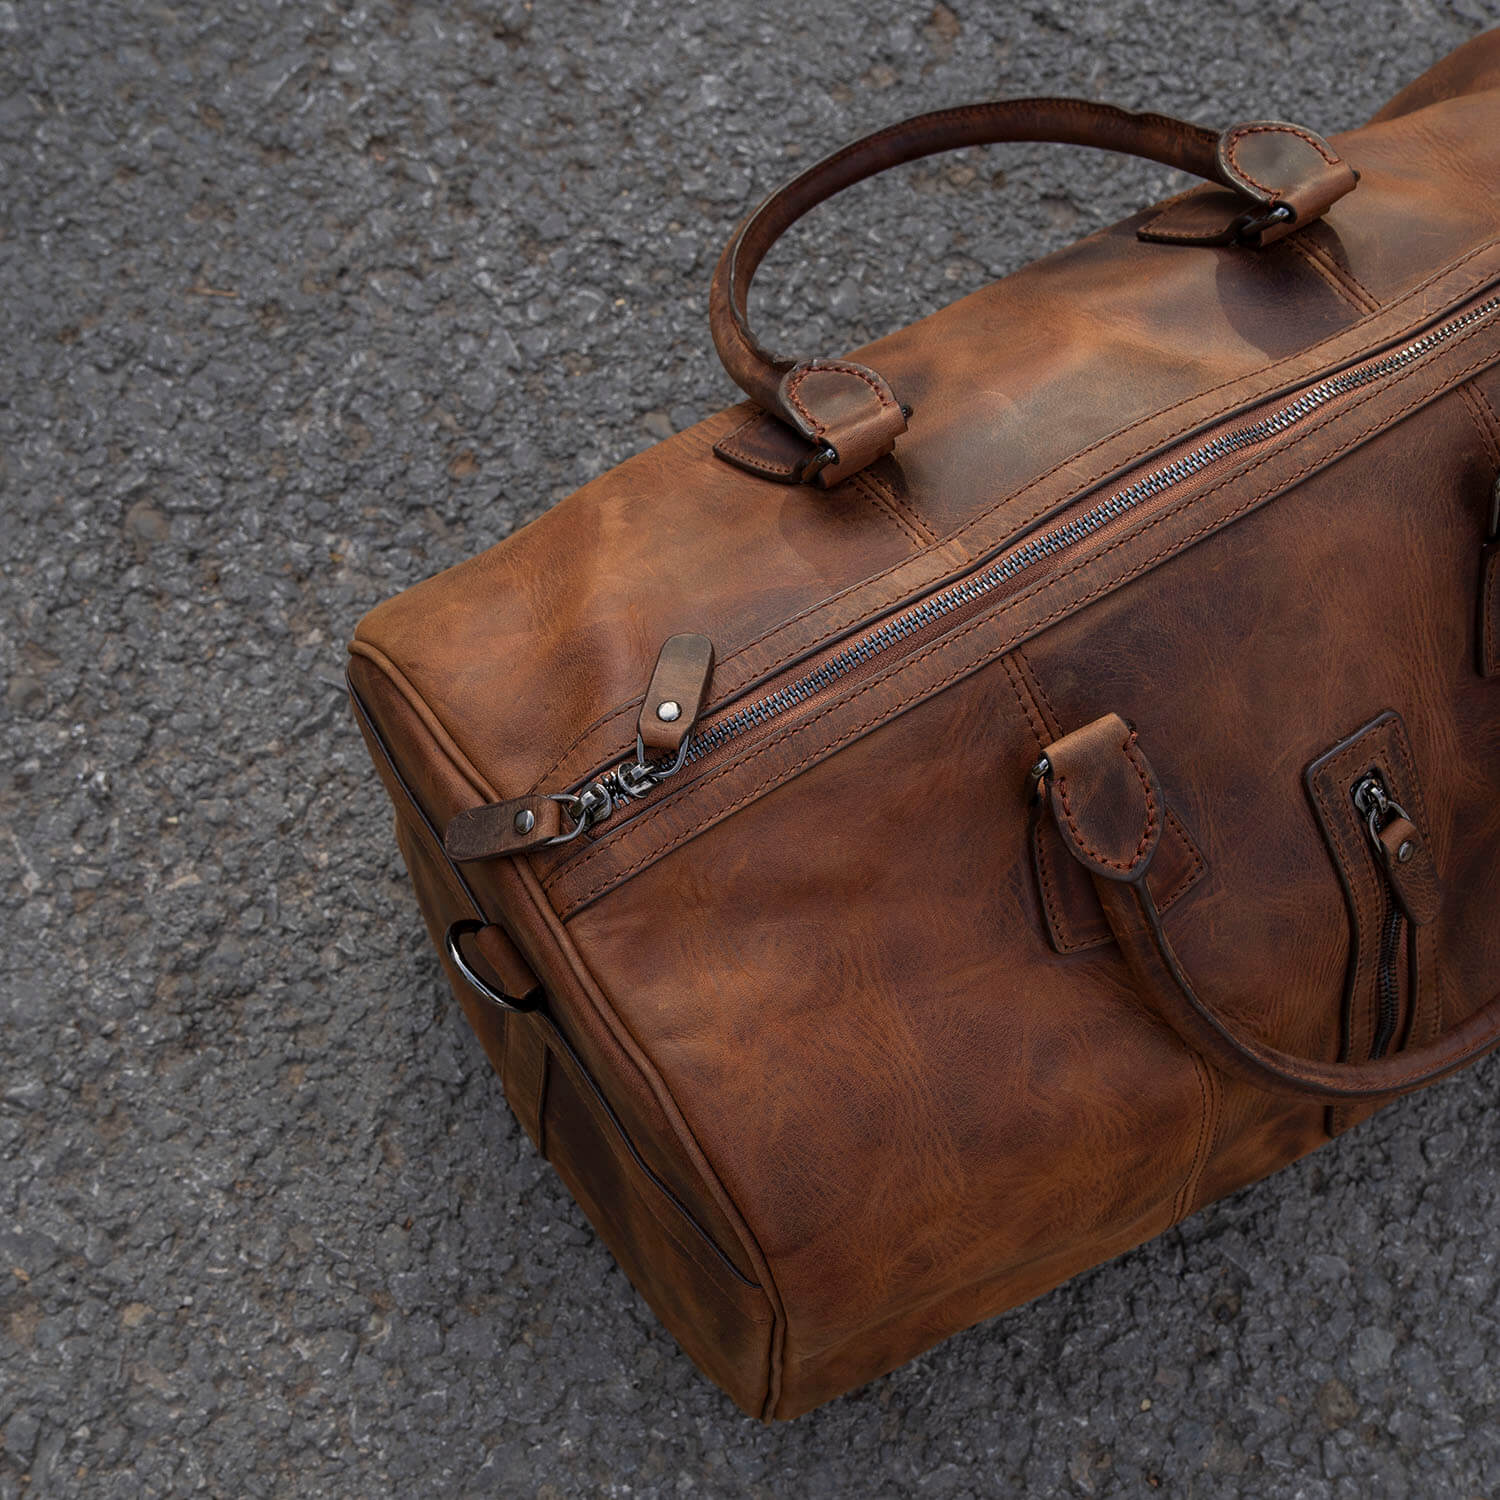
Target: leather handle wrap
column 1109, row 807
column 1280, row 176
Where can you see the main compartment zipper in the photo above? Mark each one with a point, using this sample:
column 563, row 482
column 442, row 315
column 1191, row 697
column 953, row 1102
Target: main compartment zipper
column 596, row 799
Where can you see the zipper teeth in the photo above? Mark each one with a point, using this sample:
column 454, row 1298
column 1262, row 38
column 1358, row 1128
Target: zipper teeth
column 1056, row 538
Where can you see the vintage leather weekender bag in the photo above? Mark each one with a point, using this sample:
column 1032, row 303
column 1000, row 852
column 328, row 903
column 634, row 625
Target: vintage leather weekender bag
column 912, row 837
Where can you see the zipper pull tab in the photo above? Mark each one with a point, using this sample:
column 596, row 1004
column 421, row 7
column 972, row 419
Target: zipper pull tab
column 1401, row 850
column 674, row 698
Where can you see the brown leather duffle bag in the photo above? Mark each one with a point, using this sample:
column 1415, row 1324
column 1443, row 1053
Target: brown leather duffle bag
column 929, row 828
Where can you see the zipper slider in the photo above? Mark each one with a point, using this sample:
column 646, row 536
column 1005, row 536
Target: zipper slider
column 664, row 729
column 1400, row 849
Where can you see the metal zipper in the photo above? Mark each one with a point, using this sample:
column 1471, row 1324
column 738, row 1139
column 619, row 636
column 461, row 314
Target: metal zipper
column 631, row 780
column 1378, row 807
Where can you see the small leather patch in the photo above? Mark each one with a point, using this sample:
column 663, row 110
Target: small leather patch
column 766, row 446
column 1070, row 904
column 1489, row 612
column 1205, row 216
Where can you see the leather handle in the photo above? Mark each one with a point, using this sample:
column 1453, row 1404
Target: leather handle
column 1109, row 808
column 1279, row 177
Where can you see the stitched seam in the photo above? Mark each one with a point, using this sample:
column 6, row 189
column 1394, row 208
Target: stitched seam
column 1125, row 866
column 1494, row 417
column 1194, row 870
column 928, row 535
column 794, row 384
column 1038, row 731
column 1354, row 295
column 1198, row 236
column 889, row 511
column 1078, row 942
column 1240, row 132
column 1369, row 302
column 837, row 624
column 741, row 455
column 1039, row 693
column 1171, row 550
column 1066, row 939
column 1476, row 416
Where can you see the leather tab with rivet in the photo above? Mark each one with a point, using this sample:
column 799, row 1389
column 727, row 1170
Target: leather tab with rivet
column 513, row 827
column 673, row 701
column 1410, row 868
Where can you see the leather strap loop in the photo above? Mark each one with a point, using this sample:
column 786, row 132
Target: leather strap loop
column 1161, row 978
column 1281, row 176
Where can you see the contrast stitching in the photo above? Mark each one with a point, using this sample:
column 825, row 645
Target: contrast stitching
column 835, row 624
column 1472, row 404
column 929, row 536
column 1171, row 550
column 742, row 455
column 1349, row 289
column 1238, row 134
column 798, row 376
column 1148, row 834
column 883, row 505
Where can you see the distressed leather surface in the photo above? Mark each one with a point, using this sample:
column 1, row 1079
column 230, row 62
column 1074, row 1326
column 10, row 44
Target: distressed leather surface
column 818, row 989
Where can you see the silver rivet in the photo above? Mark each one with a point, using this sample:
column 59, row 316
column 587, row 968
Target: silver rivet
column 525, row 820
column 669, row 712
column 1405, row 852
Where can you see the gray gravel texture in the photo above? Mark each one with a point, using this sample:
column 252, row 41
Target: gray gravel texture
column 303, row 302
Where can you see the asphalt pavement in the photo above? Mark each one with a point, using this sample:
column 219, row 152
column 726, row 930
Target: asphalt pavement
column 300, row 303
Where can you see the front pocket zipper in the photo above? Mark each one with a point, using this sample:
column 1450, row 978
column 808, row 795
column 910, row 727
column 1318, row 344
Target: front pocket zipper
column 1378, row 810
column 1087, row 521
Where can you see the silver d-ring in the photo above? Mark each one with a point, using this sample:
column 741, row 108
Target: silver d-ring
column 466, row 927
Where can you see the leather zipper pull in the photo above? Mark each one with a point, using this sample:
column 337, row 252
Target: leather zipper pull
column 1410, row 869
column 1403, row 853
column 675, row 697
column 513, row 827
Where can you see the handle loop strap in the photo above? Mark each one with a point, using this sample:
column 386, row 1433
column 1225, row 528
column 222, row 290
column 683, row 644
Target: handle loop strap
column 843, row 415
column 1108, row 803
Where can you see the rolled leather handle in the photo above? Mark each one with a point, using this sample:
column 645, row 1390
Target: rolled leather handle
column 1279, row 177
column 1110, row 810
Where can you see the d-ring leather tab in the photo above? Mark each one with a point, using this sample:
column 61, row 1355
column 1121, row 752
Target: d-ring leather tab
column 517, row 990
